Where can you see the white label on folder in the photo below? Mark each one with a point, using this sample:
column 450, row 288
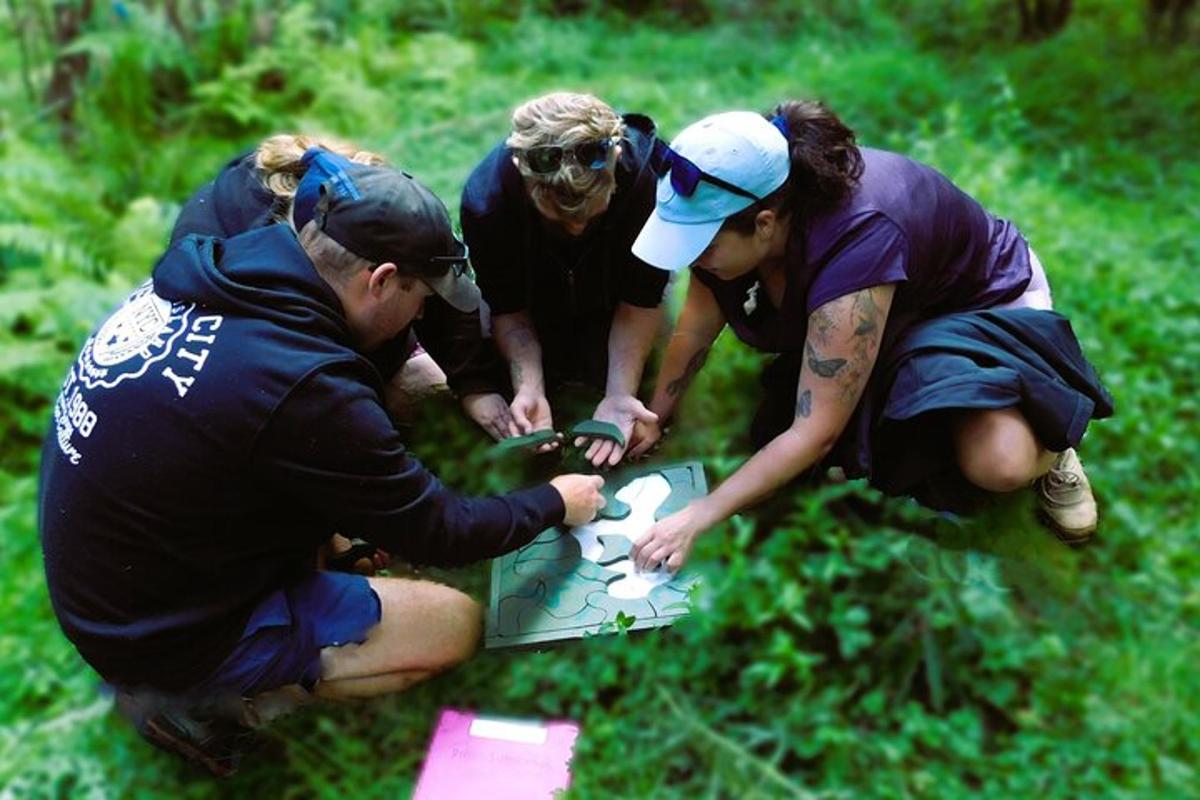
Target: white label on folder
column 524, row 732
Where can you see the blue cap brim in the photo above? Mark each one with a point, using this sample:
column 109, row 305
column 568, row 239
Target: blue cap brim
column 673, row 245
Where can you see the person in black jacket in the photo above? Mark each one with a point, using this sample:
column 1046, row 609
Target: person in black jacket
column 550, row 215
column 220, row 425
column 258, row 188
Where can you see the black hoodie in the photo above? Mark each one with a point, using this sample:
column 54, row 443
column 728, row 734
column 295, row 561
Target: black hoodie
column 215, row 430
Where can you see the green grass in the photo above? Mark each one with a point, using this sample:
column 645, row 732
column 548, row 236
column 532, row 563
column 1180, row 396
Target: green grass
column 844, row 645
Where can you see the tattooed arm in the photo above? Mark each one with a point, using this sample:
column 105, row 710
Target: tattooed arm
column 843, row 342
column 699, row 324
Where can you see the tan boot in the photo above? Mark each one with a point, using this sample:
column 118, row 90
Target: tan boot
column 1066, row 500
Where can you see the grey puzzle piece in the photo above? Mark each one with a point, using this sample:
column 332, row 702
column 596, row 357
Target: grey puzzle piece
column 553, row 552
column 641, row 609
column 545, row 602
column 613, row 508
column 684, row 489
column 616, row 547
column 671, row 599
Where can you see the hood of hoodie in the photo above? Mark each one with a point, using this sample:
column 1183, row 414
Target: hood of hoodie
column 640, row 135
column 263, row 274
column 234, row 202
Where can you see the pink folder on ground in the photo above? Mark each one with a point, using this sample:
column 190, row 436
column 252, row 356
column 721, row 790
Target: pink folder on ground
column 473, row 757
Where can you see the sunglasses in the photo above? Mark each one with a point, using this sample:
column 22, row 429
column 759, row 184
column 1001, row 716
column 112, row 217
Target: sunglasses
column 685, row 175
column 436, row 266
column 545, row 159
column 460, row 264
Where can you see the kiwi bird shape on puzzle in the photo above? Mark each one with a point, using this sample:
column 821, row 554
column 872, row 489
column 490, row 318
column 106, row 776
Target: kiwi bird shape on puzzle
column 572, row 582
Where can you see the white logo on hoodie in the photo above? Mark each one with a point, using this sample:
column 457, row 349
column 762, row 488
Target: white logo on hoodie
column 142, row 332
column 138, row 334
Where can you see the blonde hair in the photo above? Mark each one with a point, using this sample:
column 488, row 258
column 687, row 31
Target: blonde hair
column 566, row 119
column 278, row 159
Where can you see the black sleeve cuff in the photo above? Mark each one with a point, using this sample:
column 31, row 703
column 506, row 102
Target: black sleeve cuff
column 546, row 500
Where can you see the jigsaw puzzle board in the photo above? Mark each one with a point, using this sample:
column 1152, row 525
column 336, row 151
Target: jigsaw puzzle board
column 568, row 583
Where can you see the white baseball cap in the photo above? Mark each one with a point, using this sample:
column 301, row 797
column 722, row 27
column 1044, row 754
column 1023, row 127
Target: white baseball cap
column 737, row 147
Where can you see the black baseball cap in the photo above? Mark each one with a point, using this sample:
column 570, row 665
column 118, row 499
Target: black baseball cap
column 383, row 215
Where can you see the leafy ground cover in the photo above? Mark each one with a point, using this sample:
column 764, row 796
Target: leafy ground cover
column 844, row 644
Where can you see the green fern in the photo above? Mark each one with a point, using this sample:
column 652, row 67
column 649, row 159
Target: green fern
column 50, row 250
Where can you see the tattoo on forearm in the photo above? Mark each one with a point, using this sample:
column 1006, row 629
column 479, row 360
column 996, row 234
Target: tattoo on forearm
column 824, row 367
column 804, row 404
column 676, row 387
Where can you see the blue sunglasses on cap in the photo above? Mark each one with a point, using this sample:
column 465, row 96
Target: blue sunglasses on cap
column 686, row 175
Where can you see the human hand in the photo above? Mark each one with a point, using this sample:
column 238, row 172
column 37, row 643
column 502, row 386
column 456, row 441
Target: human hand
column 646, row 437
column 531, row 412
column 624, row 411
column 581, row 495
column 491, row 412
column 669, row 541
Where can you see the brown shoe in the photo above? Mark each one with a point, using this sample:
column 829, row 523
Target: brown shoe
column 1066, row 501
column 210, row 738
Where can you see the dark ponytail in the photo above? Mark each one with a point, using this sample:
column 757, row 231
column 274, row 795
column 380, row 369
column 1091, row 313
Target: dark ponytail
column 826, row 165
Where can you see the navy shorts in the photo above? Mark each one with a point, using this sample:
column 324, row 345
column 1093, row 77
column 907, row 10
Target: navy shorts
column 282, row 642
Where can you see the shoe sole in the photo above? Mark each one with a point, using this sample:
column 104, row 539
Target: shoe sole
column 1071, row 538
column 165, row 740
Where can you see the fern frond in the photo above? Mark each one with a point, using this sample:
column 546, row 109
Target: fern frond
column 52, row 248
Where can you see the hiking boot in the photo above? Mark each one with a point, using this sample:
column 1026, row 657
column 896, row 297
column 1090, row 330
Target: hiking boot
column 1066, row 501
column 208, row 737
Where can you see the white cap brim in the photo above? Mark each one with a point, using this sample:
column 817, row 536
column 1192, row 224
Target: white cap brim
column 673, row 245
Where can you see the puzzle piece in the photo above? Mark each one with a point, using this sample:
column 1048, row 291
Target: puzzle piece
column 611, row 605
column 682, row 492
column 613, row 508
column 671, row 599
column 568, row 601
column 595, row 429
column 553, row 552
column 614, row 547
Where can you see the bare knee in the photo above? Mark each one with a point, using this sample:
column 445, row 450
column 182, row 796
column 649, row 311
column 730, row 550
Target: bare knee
column 443, row 622
column 998, row 471
column 464, row 627
column 997, row 450
column 424, row 628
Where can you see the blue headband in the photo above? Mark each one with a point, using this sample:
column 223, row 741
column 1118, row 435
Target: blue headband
column 781, row 125
column 322, row 166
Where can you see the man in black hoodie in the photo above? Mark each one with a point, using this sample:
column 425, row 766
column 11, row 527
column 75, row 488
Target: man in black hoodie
column 221, row 424
column 550, row 215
